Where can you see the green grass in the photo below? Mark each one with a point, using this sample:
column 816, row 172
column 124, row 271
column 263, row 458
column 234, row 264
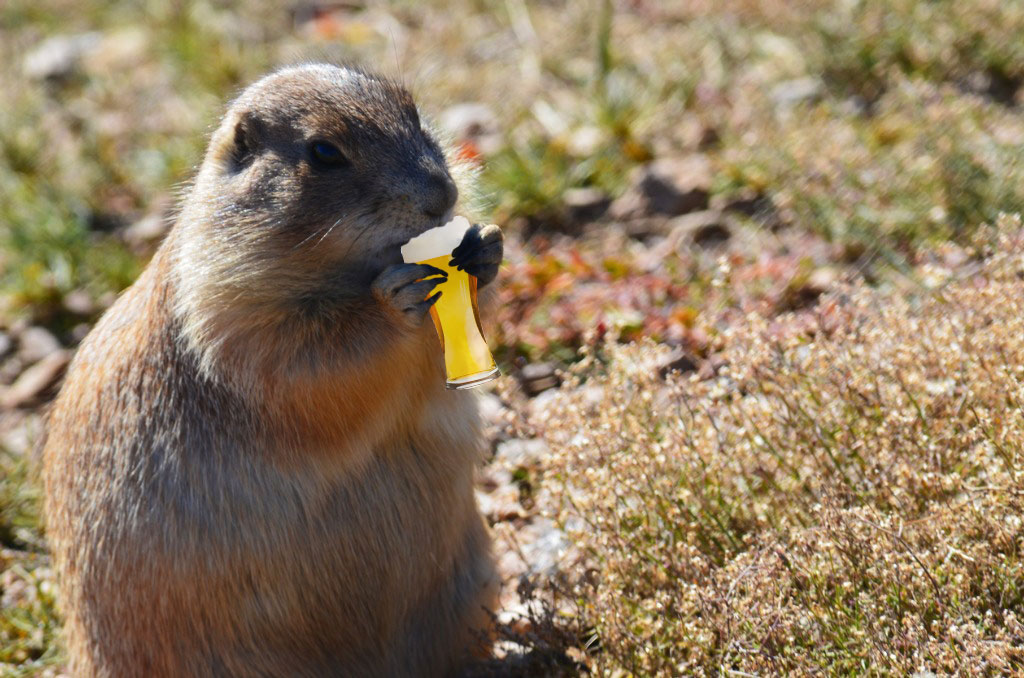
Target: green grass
column 30, row 624
column 640, row 84
column 931, row 164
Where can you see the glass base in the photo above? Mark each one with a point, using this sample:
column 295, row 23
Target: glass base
column 473, row 380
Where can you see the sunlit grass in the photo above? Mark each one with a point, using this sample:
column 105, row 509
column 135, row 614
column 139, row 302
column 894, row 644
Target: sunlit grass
column 845, row 503
column 742, row 523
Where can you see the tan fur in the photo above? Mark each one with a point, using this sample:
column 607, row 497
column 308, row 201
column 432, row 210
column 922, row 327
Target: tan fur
column 254, row 468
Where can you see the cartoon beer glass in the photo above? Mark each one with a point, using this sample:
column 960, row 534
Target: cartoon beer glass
column 467, row 360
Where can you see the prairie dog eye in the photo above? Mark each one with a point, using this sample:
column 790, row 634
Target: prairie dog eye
column 325, row 155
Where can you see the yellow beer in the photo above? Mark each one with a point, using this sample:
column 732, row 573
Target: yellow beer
column 467, row 360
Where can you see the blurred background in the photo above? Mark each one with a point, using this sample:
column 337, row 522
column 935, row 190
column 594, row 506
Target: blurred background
column 798, row 138
column 662, row 169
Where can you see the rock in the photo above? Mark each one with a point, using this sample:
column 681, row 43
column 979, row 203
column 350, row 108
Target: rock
column 761, row 210
column 107, row 299
column 629, row 205
column 670, row 186
column 495, row 417
column 789, row 93
column 747, row 205
column 540, row 544
column 501, row 505
column 522, row 453
column 758, row 207
column 473, row 122
column 543, row 545
column 677, row 186
column 10, row 369
column 58, row 57
column 711, row 235
column 79, row 302
column 821, row 279
column 539, row 408
column 856, row 106
column 709, row 139
column 593, row 396
column 537, row 378
column 995, row 85
column 16, row 590
column 146, row 231
column 498, row 495
column 79, row 332
column 706, row 229
column 35, row 343
column 678, row 361
column 585, row 141
column 645, row 228
column 492, row 410
column 585, row 204
column 35, row 381
column 5, row 344
column 19, row 432
column 805, row 293
column 118, row 50
column 711, row 367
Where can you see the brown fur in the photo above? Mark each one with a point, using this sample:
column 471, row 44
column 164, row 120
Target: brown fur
column 253, row 467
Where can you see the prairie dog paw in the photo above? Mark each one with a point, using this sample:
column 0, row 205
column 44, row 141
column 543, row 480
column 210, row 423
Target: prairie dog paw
column 406, row 289
column 480, row 252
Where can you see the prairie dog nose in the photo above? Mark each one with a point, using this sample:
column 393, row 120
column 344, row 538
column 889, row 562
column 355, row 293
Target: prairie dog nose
column 440, row 194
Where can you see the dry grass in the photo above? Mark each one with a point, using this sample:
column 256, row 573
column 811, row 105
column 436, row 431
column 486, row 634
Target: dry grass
column 847, row 502
column 839, row 502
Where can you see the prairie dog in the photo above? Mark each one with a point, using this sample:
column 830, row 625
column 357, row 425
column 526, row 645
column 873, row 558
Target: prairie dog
column 253, row 467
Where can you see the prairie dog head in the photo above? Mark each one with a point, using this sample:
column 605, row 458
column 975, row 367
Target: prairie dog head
column 312, row 182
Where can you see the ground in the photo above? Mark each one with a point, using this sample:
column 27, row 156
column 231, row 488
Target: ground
column 758, row 315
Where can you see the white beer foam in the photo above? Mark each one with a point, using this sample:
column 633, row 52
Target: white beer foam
column 437, row 242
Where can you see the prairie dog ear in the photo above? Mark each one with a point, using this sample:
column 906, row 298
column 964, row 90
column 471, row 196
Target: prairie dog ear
column 245, row 141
